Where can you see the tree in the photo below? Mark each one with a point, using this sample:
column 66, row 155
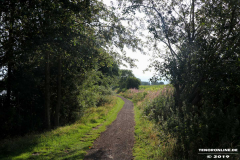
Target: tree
column 128, row 80
column 157, row 83
column 145, row 83
column 202, row 63
column 124, row 75
column 132, row 82
column 56, row 61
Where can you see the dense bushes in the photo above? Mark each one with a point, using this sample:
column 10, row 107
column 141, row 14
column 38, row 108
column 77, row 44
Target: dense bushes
column 134, row 94
column 53, row 62
column 202, row 63
column 127, row 81
column 151, row 141
column 78, row 93
column 132, row 82
column 193, row 127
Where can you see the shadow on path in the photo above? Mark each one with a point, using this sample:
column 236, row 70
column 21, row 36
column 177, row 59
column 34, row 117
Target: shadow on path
column 118, row 139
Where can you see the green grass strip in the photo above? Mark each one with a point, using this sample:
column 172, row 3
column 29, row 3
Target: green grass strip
column 148, row 144
column 142, row 148
column 68, row 142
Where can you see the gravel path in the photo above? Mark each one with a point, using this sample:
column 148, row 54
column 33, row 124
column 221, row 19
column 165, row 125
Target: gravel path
column 118, row 139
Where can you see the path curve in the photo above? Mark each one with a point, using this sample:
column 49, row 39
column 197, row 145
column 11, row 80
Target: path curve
column 118, row 139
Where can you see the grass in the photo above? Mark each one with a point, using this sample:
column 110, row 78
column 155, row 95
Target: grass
column 150, row 140
column 68, row 142
column 151, row 87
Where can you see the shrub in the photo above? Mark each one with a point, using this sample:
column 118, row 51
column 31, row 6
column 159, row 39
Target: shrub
column 132, row 82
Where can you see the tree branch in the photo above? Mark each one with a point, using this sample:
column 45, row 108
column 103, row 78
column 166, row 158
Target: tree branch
column 164, row 29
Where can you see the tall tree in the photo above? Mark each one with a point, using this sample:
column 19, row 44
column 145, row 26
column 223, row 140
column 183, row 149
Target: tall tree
column 202, row 63
column 60, row 56
column 59, row 96
column 124, row 75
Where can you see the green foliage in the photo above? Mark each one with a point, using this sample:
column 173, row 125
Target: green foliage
column 151, row 139
column 157, row 83
column 127, row 80
column 132, row 82
column 68, row 142
column 124, row 74
column 202, row 64
column 145, row 83
column 139, row 96
column 152, row 87
column 56, row 62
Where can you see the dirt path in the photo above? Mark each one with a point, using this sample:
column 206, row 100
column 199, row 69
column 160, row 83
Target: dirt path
column 118, row 139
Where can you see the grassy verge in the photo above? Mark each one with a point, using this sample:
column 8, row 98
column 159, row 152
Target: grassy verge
column 68, row 142
column 150, row 141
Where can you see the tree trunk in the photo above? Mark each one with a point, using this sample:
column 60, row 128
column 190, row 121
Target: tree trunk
column 8, row 100
column 178, row 101
column 59, row 98
column 9, row 55
column 47, row 92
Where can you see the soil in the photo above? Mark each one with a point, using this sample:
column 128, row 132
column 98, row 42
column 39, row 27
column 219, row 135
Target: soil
column 118, row 139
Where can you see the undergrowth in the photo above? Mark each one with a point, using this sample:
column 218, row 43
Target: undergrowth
column 68, row 142
column 150, row 140
column 164, row 132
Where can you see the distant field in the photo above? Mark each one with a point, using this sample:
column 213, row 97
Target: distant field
column 151, row 87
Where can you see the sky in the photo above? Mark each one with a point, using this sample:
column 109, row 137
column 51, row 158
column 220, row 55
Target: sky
column 143, row 60
column 142, row 64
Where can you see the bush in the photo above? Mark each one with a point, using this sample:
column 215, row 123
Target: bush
column 211, row 123
column 133, row 82
column 139, row 96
